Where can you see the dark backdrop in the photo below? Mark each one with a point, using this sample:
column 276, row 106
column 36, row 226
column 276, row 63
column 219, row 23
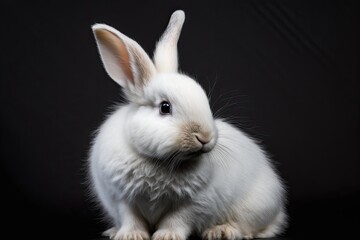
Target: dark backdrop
column 287, row 71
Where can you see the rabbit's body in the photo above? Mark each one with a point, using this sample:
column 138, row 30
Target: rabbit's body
column 232, row 183
column 174, row 170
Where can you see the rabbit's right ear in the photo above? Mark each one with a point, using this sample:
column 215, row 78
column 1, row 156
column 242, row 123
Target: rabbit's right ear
column 123, row 58
column 166, row 54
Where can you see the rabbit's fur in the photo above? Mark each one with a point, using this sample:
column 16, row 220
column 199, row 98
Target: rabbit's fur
column 171, row 175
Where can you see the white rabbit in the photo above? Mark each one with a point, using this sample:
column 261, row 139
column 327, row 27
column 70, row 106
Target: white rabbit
column 162, row 166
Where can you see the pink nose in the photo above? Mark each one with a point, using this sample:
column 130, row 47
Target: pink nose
column 202, row 139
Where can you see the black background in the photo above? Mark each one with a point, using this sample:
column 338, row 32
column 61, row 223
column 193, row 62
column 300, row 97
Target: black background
column 287, row 72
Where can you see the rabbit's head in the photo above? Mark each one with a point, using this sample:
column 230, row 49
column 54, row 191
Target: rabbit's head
column 168, row 112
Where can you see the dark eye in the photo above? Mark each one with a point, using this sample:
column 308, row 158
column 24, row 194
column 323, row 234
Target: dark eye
column 165, row 108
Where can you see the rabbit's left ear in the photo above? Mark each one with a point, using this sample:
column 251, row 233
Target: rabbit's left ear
column 123, row 58
column 166, row 54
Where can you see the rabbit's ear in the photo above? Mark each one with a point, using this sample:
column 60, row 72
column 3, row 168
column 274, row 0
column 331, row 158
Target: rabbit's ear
column 165, row 55
column 123, row 58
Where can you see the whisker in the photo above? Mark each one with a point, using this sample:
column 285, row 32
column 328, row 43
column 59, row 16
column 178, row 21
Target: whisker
column 211, row 89
column 223, row 155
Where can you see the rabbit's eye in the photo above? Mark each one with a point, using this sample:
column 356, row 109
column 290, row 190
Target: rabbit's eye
column 165, row 108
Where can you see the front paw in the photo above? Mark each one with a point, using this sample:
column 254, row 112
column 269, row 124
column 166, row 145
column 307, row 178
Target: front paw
column 167, row 235
column 219, row 232
column 110, row 233
column 131, row 235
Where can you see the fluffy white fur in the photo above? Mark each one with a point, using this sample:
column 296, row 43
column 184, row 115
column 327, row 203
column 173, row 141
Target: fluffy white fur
column 172, row 175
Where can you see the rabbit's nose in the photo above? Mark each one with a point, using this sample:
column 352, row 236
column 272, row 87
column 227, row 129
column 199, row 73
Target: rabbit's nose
column 207, row 141
column 203, row 140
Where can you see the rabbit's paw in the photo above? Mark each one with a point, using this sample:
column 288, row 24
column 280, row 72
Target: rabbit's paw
column 248, row 237
column 111, row 232
column 166, row 235
column 131, row 235
column 219, row 232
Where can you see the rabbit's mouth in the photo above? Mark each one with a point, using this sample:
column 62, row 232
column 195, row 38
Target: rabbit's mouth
column 196, row 144
column 196, row 139
column 205, row 148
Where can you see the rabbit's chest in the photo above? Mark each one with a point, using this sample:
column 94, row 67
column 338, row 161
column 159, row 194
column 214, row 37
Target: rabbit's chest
column 153, row 184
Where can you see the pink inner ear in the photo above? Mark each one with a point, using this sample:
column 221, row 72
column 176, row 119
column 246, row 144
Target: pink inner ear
column 118, row 48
